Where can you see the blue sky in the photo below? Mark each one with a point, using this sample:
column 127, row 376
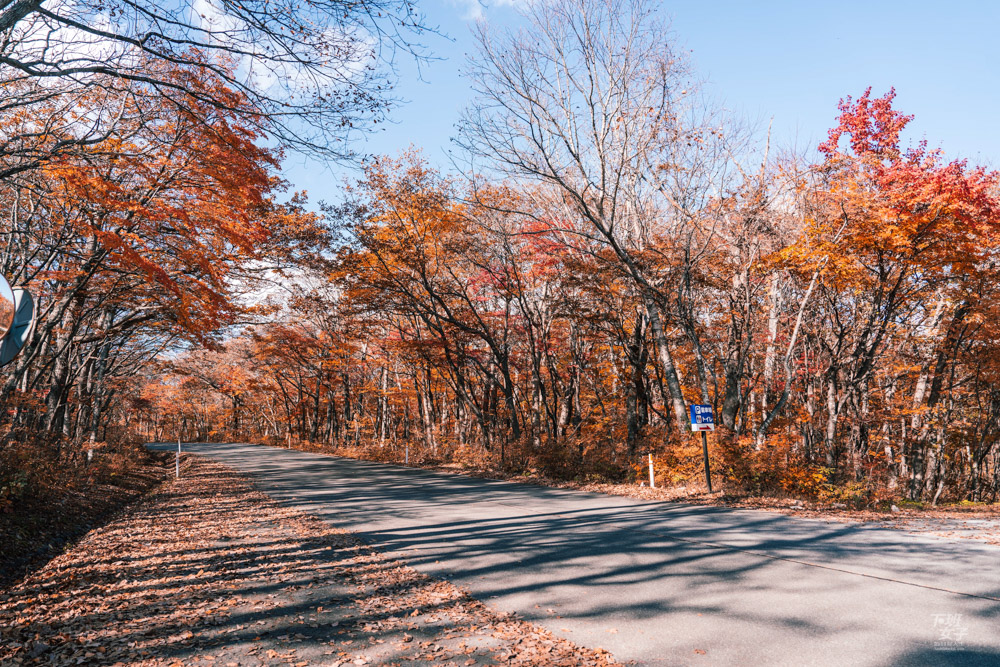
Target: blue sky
column 783, row 62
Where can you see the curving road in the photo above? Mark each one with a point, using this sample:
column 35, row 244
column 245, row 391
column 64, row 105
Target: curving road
column 661, row 583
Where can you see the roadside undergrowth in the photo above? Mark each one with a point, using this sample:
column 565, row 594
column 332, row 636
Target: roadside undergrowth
column 50, row 495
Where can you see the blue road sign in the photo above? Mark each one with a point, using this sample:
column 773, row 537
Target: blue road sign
column 701, row 418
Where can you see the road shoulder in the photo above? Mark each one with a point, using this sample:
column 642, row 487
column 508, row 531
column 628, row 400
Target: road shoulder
column 207, row 570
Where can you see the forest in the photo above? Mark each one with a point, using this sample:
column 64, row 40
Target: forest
column 615, row 249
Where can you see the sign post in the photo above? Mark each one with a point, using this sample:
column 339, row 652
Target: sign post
column 177, row 459
column 702, row 420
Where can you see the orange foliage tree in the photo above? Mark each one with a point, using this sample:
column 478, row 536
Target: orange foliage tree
column 135, row 245
column 841, row 318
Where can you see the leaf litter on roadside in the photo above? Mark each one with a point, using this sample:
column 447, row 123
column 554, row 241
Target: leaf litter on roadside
column 208, row 571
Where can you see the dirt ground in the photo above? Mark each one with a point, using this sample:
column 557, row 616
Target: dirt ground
column 208, row 571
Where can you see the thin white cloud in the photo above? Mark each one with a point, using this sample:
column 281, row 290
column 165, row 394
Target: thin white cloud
column 476, row 10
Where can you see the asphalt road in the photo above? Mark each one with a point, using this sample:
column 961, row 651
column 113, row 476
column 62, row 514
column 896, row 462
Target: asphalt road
column 661, row 583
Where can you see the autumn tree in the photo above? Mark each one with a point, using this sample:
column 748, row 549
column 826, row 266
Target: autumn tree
column 308, row 74
column 134, row 246
column 841, row 316
column 590, row 100
column 903, row 243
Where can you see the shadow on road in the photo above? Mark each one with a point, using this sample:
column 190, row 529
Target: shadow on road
column 684, row 576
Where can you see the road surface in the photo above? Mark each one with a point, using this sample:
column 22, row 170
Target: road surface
column 661, row 583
